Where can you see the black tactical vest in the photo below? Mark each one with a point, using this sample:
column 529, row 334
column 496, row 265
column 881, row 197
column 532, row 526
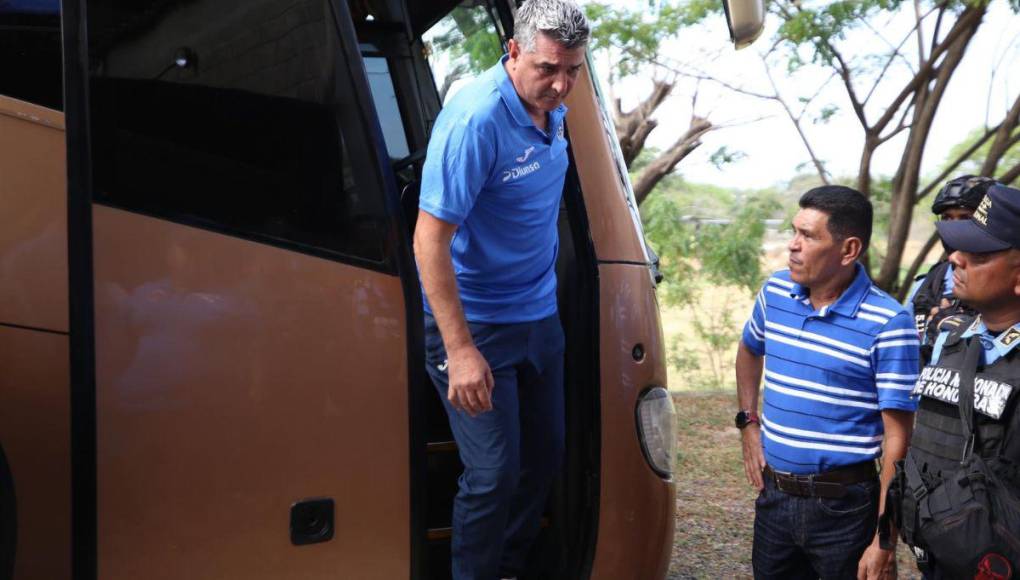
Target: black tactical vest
column 931, row 480
column 938, row 439
column 929, row 294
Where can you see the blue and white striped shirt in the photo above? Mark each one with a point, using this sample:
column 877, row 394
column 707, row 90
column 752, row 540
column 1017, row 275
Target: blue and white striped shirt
column 830, row 372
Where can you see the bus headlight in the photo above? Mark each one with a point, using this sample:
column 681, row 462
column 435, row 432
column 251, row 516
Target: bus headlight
column 656, row 426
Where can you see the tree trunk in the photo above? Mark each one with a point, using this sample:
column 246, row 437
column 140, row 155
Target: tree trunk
column 907, row 177
column 665, row 163
column 864, row 182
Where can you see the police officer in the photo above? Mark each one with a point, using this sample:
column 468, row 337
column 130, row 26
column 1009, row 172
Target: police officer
column 932, row 293
column 958, row 489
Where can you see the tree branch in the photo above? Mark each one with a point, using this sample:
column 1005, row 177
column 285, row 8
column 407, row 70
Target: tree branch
column 634, row 126
column 888, row 63
column 920, row 30
column 819, row 166
column 956, row 163
column 1010, row 176
column 899, row 126
column 665, row 163
column 1003, row 139
column 969, row 20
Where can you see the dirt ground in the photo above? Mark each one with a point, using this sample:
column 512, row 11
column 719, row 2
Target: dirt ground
column 715, row 506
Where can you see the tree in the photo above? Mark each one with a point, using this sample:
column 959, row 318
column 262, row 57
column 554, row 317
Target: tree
column 723, row 258
column 468, row 42
column 977, row 154
column 631, row 41
column 893, row 91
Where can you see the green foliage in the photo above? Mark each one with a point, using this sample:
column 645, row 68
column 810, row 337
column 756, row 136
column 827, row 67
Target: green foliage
column 826, row 114
column 696, row 257
column 731, row 254
column 469, row 38
column 723, row 156
column 637, row 33
column 818, row 26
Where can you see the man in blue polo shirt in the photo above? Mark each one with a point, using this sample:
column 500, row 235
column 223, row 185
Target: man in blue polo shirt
column 840, row 358
column 486, row 244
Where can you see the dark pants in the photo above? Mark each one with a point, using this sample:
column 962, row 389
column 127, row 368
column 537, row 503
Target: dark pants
column 811, row 537
column 512, row 453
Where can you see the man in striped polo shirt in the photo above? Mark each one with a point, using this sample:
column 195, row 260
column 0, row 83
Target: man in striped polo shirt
column 840, row 358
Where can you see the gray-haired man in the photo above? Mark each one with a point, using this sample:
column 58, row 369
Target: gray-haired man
column 486, row 244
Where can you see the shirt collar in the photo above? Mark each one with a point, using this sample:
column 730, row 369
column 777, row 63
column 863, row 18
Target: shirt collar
column 849, row 301
column 513, row 101
column 1006, row 340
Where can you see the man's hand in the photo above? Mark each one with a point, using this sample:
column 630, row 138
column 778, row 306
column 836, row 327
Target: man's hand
column 471, row 381
column 876, row 563
column 754, row 456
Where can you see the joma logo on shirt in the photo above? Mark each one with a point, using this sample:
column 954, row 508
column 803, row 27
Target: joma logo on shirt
column 943, row 384
column 520, row 171
column 527, row 153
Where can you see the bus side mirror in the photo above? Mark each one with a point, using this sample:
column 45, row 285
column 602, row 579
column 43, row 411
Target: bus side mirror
column 746, row 19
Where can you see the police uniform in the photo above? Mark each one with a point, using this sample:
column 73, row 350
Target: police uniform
column 941, row 439
column 956, row 495
column 929, row 291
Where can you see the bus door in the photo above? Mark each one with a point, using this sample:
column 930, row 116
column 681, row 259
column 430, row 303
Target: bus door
column 244, row 303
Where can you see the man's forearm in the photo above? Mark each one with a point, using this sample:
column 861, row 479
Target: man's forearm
column 749, row 369
column 898, row 426
column 440, row 284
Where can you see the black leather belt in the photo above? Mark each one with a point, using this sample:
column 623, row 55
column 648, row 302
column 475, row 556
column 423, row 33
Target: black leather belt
column 830, row 484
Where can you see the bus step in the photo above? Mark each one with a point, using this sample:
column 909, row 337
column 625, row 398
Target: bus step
column 439, row 534
column 442, row 447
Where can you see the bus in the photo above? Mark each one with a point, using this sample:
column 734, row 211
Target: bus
column 211, row 327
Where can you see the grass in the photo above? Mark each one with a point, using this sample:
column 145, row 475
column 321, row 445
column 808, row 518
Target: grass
column 715, row 505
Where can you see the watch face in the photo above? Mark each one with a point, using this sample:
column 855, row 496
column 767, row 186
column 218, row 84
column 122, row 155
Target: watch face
column 744, row 418
column 741, row 419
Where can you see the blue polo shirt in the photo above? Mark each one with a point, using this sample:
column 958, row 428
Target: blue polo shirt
column 499, row 178
column 830, row 372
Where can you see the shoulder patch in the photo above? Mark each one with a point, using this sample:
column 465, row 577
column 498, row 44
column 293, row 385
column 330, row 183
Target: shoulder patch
column 1011, row 336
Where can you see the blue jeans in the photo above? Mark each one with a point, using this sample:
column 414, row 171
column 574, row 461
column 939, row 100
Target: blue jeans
column 512, row 453
column 813, row 537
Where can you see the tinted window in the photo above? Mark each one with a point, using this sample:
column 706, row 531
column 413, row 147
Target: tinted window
column 460, row 46
column 30, row 57
column 230, row 114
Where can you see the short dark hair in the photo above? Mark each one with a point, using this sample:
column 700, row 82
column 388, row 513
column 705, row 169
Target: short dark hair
column 849, row 212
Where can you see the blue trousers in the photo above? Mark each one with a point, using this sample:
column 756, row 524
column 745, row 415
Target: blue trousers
column 512, row 453
column 813, row 537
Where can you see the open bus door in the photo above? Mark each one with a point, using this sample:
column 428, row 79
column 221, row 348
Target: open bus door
column 243, row 307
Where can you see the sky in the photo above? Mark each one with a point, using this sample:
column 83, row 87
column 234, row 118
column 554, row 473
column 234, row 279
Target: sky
column 981, row 91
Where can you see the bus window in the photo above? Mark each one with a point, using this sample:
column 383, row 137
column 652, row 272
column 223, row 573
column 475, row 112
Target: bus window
column 30, row 57
column 237, row 127
column 461, row 45
column 385, row 97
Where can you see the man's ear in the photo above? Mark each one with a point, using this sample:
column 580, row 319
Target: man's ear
column 851, row 250
column 513, row 49
column 1016, row 272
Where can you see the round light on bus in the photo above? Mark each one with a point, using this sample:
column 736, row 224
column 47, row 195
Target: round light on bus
column 656, row 425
